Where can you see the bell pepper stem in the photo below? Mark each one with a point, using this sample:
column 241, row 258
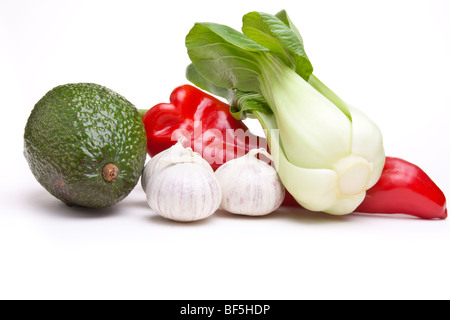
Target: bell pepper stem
column 142, row 111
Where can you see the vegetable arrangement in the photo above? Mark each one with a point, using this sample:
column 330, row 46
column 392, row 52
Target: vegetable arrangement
column 329, row 155
column 319, row 152
column 402, row 188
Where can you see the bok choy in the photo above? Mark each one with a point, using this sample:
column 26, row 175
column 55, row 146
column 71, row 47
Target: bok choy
column 327, row 153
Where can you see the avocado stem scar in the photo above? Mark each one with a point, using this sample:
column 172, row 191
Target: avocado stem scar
column 110, row 172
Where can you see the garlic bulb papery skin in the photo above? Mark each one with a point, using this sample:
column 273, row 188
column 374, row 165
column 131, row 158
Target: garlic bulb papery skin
column 250, row 186
column 184, row 188
column 150, row 168
column 166, row 158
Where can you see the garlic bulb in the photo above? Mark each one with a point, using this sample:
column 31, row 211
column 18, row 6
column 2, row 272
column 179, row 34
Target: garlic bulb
column 180, row 185
column 250, row 186
column 174, row 152
column 166, row 158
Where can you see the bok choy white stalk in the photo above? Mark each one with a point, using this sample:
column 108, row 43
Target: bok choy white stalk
column 328, row 153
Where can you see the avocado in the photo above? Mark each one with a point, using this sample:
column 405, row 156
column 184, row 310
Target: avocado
column 85, row 144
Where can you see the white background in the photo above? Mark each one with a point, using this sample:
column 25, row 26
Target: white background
column 389, row 58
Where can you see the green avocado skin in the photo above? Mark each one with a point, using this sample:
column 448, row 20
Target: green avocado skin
column 73, row 132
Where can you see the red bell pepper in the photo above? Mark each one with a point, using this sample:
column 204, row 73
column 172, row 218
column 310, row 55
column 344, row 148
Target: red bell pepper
column 205, row 121
column 214, row 133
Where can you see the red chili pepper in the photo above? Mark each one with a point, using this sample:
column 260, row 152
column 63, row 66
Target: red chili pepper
column 405, row 188
column 213, row 132
column 207, row 123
